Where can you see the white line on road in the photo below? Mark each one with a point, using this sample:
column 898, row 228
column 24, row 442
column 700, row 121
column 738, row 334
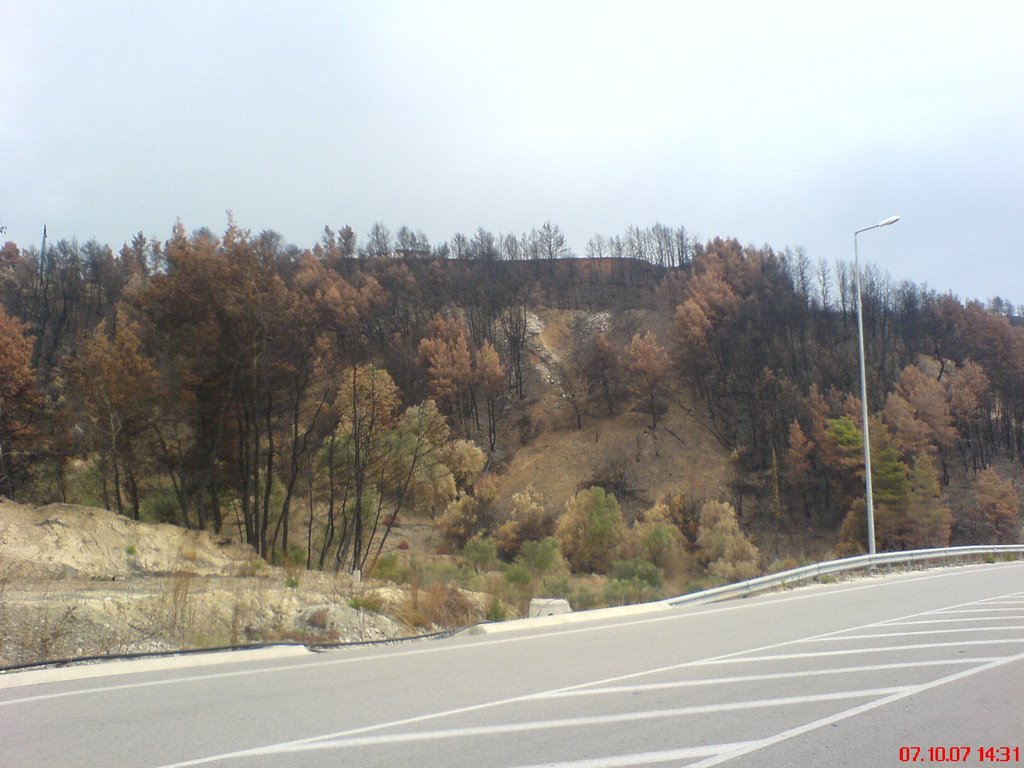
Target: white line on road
column 1004, row 597
column 719, row 753
column 725, row 658
column 569, row 722
column 917, row 632
column 978, row 610
column 813, row 726
column 900, row 623
column 848, row 651
column 646, row 758
column 617, row 689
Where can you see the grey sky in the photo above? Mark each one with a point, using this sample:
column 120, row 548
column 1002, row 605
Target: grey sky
column 785, row 123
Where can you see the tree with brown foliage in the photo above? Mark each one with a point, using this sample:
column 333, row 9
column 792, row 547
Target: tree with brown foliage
column 118, row 387
column 648, row 364
column 603, row 367
column 445, row 355
column 996, row 517
column 367, row 403
column 19, row 400
column 918, row 413
column 492, row 385
column 971, row 406
column 799, row 464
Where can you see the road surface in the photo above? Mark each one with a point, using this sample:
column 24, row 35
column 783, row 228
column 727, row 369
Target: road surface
column 877, row 672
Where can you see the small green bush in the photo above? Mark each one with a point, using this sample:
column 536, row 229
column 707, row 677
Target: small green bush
column 629, row 591
column 584, row 599
column 481, row 552
column 591, row 531
column 390, row 568
column 637, row 569
column 160, row 506
column 367, row 602
column 518, row 576
column 540, row 557
column 557, row 586
column 297, row 557
column 496, row 611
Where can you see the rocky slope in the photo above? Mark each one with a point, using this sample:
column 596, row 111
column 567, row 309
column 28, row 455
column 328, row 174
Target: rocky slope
column 77, row 581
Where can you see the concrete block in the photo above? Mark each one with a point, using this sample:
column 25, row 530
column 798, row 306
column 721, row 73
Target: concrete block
column 548, row 606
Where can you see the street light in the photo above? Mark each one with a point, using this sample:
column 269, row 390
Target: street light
column 864, row 385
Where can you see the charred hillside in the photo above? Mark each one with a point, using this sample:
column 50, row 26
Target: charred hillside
column 302, row 400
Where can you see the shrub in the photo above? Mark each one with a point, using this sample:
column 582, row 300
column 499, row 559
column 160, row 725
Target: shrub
column 638, row 570
column 540, row 557
column 591, row 531
column 518, row 576
column 297, row 557
column 585, row 599
column 496, row 611
column 629, row 591
column 528, row 520
column 366, row 602
column 461, row 519
column 481, row 552
column 729, row 554
column 389, row 568
column 446, row 606
column 557, row 586
column 160, row 506
column 658, row 539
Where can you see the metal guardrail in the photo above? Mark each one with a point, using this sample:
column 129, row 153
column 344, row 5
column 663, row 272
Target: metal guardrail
column 809, row 572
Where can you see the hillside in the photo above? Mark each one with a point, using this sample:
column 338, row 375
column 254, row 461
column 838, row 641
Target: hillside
column 621, row 452
column 473, row 418
column 80, row 581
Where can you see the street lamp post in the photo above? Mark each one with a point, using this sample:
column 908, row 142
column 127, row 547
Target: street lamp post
column 864, row 385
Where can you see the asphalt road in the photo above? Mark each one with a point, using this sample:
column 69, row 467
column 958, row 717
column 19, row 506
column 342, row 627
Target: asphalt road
column 927, row 665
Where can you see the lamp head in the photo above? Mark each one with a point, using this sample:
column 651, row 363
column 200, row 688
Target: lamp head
column 890, row 220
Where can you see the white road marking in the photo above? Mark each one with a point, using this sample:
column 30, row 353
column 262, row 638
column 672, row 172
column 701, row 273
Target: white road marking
column 725, row 658
column 618, row 689
column 1005, row 597
column 1002, row 602
column 645, row 758
column 896, row 623
column 980, row 610
column 815, row 725
column 570, row 722
column 917, row 632
column 848, row 651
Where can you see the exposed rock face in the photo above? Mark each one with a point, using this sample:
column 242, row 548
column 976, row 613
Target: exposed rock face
column 77, row 581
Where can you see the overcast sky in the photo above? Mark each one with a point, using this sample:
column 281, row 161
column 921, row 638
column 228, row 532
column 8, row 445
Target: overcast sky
column 780, row 123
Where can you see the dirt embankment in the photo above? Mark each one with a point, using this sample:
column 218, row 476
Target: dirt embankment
column 77, row 581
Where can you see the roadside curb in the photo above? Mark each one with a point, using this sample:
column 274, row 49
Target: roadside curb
column 577, row 617
column 104, row 668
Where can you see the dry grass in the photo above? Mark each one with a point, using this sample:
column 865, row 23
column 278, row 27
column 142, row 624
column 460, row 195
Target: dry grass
column 438, row 605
